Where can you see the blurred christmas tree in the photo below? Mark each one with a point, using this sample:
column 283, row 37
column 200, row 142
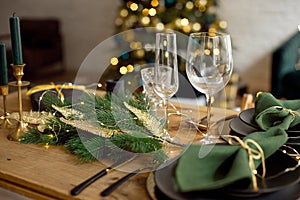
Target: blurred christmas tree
column 184, row 16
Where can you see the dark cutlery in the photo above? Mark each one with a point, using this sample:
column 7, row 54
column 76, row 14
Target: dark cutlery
column 76, row 190
column 119, row 182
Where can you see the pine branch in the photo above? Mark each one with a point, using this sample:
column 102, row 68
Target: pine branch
column 111, row 113
column 55, row 133
column 50, row 99
column 136, row 144
column 89, row 102
column 75, row 146
column 33, row 136
column 140, row 143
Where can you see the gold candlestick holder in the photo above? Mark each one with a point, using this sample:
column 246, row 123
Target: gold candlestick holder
column 18, row 72
column 4, row 92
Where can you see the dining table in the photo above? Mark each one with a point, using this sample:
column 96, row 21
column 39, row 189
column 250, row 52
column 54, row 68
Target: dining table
column 38, row 172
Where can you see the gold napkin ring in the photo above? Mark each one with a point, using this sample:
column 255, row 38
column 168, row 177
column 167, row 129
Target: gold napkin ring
column 254, row 154
column 290, row 111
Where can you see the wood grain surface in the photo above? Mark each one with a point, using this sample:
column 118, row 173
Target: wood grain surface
column 41, row 173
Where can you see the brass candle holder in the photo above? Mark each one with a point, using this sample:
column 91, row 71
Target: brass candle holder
column 4, row 92
column 18, row 72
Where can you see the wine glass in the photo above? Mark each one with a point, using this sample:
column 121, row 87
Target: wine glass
column 209, row 66
column 147, row 75
column 166, row 72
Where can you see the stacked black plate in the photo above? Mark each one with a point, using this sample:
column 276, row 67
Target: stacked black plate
column 245, row 124
column 277, row 185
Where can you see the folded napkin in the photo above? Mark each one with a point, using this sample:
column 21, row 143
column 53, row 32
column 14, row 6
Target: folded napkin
column 270, row 112
column 225, row 164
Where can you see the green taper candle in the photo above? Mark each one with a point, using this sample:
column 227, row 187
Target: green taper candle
column 16, row 40
column 3, row 64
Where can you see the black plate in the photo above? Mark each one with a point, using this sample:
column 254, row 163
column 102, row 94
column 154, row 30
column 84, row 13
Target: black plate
column 247, row 116
column 241, row 129
column 274, row 164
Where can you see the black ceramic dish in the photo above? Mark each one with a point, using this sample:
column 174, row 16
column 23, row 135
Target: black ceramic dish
column 277, row 185
column 241, row 129
column 247, row 116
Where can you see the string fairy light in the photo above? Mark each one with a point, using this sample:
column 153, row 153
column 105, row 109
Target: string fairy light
column 47, row 146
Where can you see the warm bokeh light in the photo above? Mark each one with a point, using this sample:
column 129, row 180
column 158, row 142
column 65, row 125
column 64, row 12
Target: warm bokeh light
column 47, row 146
column 51, row 136
column 207, row 52
column 223, row 24
column 136, row 45
column 184, row 22
column 145, row 20
column 124, row 13
column 216, row 51
column 160, row 26
column 134, row 7
column 189, row 5
column 130, row 68
column 140, row 53
column 152, row 12
column 203, row 2
column 154, row 3
column 185, row 16
column 145, row 11
column 123, row 70
column 196, row 26
column 187, row 29
column 114, row 61
column 212, row 30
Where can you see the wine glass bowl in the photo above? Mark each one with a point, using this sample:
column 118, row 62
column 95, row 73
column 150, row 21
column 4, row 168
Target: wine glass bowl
column 147, row 75
column 209, row 66
column 169, row 85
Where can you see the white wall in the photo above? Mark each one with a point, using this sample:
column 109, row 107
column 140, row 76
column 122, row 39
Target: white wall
column 257, row 27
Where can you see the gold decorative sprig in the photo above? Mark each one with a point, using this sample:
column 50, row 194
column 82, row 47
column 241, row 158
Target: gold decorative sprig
column 90, row 127
column 149, row 121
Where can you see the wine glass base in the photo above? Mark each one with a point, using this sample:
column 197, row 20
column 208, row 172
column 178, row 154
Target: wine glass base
column 210, row 139
column 172, row 146
column 167, row 138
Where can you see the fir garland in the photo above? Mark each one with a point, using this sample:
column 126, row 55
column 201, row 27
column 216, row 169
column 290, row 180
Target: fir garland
column 129, row 118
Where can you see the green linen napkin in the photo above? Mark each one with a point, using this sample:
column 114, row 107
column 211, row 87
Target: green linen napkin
column 270, row 112
column 225, row 164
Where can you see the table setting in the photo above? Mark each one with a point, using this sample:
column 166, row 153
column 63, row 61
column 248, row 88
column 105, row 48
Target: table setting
column 165, row 149
column 183, row 180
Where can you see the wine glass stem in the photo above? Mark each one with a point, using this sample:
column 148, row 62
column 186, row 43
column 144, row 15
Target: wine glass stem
column 208, row 114
column 166, row 115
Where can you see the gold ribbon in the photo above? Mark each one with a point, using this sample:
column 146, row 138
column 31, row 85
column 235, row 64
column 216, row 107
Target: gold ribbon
column 58, row 88
column 290, row 111
column 254, row 154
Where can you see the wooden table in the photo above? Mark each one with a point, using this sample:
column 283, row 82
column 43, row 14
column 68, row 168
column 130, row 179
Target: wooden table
column 51, row 173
